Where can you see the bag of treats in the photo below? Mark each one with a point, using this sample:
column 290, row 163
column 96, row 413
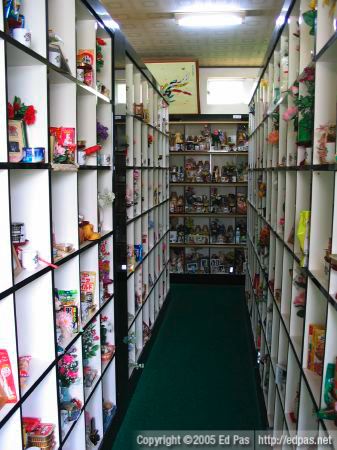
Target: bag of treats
column 7, row 386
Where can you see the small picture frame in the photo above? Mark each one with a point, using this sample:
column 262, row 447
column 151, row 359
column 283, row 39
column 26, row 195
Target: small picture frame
column 17, row 139
column 204, row 263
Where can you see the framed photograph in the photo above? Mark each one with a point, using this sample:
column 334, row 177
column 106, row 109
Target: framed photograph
column 179, row 83
column 204, row 263
column 17, row 138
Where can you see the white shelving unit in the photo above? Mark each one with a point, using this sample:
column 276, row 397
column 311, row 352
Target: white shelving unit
column 147, row 196
column 36, row 325
column 208, row 216
column 291, row 284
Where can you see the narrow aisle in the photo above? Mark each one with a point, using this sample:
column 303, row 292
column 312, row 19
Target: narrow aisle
column 200, row 372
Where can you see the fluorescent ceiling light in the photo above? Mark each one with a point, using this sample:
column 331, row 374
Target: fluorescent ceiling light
column 209, row 19
column 209, row 6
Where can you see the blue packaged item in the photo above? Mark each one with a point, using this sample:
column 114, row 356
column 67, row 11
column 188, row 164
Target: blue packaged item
column 33, row 155
column 138, row 252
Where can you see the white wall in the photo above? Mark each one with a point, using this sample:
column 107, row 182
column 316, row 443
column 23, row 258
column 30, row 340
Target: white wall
column 237, row 72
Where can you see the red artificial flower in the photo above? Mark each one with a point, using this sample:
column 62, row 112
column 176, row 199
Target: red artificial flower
column 29, row 116
column 16, row 106
column 100, row 41
column 10, row 111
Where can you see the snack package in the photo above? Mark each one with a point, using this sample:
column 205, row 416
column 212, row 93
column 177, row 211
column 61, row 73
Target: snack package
column 73, row 313
column 7, row 386
column 318, row 343
column 62, row 141
column 303, row 235
column 88, row 283
column 67, row 298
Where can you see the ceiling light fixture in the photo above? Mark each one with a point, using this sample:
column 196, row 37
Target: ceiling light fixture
column 209, row 19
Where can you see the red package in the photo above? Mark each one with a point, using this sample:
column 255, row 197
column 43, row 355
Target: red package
column 64, row 136
column 6, row 378
column 31, row 423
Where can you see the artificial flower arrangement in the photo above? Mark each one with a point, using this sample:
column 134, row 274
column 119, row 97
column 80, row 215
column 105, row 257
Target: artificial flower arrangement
column 19, row 111
column 90, row 347
column 273, row 137
column 68, row 369
column 309, row 17
column 102, row 133
column 19, row 117
column 326, row 145
column 305, row 105
column 89, row 342
column 292, row 112
column 330, row 393
column 99, row 53
column 105, row 198
column 107, row 349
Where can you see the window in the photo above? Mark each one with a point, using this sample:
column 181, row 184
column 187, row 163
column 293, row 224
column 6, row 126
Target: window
column 228, row 91
column 120, row 92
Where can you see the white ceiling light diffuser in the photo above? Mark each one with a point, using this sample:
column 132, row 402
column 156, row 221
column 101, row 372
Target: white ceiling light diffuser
column 209, row 19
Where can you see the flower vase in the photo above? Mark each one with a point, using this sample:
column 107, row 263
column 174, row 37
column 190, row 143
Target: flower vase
column 330, row 152
column 65, row 394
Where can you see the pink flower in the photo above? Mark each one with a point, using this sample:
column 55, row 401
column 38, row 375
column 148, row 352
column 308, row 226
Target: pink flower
column 294, row 90
column 67, row 359
column 216, row 132
column 290, row 113
column 72, row 374
column 62, row 370
column 96, row 338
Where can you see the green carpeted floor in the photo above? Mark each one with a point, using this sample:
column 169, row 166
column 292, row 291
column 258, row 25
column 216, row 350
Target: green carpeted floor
column 200, row 373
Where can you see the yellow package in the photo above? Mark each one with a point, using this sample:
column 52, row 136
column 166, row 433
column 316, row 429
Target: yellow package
column 303, row 235
column 318, row 344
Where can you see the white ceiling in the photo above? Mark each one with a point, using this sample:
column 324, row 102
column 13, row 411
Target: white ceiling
column 152, row 30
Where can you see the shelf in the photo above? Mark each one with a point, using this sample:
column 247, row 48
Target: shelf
column 328, row 54
column 211, row 184
column 283, row 187
column 205, row 153
column 215, row 215
column 173, row 245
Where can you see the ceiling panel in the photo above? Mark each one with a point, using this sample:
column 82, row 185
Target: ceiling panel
column 153, row 32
